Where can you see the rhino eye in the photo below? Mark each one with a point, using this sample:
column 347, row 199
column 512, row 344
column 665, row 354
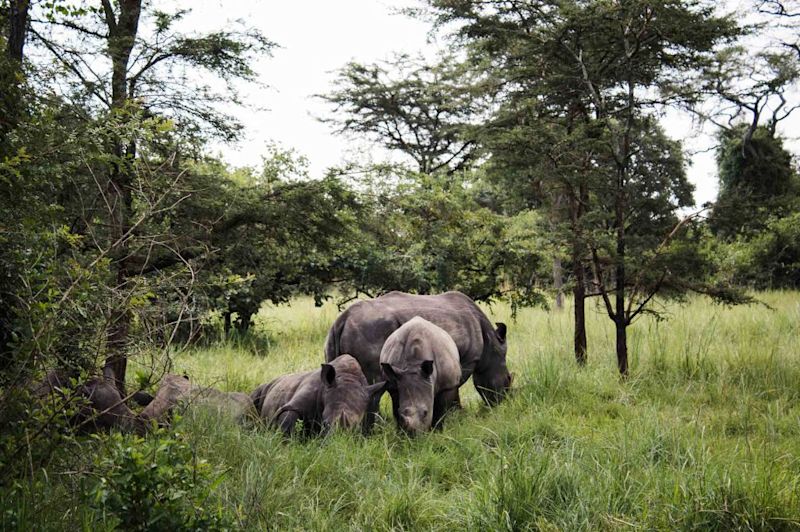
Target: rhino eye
column 426, row 368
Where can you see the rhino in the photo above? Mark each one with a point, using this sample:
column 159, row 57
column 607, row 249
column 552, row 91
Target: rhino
column 104, row 408
column 178, row 389
column 336, row 395
column 363, row 328
column 99, row 403
column 421, row 366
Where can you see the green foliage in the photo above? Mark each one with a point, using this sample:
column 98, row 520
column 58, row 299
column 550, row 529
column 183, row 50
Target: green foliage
column 429, row 234
column 769, row 259
column 410, row 107
column 757, row 182
column 157, row 483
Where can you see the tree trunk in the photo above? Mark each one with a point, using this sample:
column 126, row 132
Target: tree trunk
column 579, row 296
column 227, row 323
column 577, row 206
column 620, row 319
column 17, row 29
column 622, row 346
column 122, row 32
column 243, row 322
column 558, row 282
column 16, row 16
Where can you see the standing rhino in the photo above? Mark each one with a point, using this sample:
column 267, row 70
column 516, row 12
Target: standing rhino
column 177, row 389
column 337, row 394
column 362, row 329
column 420, row 363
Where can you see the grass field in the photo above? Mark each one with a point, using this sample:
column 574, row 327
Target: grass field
column 704, row 435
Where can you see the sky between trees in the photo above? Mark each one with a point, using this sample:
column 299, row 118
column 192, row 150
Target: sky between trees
column 318, row 37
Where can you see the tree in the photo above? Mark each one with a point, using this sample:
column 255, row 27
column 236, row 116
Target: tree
column 409, row 107
column 543, row 159
column 279, row 235
column 424, row 229
column 147, row 55
column 429, row 234
column 608, row 58
column 756, row 182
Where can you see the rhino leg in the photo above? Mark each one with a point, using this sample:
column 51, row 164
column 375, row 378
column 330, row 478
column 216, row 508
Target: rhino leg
column 445, row 401
column 142, row 398
column 457, row 401
column 395, row 406
column 371, row 414
column 286, row 421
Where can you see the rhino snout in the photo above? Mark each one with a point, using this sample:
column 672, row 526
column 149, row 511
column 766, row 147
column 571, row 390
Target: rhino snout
column 410, row 412
column 414, row 420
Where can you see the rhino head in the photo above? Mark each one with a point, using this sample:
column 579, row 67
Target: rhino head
column 413, row 394
column 492, row 379
column 345, row 396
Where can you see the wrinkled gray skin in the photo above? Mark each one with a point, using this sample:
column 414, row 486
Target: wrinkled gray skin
column 420, row 364
column 104, row 408
column 100, row 406
column 362, row 329
column 336, row 395
column 177, row 390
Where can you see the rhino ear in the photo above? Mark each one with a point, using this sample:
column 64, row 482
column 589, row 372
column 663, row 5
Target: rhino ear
column 501, row 332
column 376, row 389
column 427, row 368
column 328, row 375
column 389, row 373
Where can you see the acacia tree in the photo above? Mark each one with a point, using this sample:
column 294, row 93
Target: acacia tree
column 128, row 60
column 410, row 107
column 610, row 58
column 440, row 236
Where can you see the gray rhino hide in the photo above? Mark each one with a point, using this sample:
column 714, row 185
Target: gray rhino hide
column 335, row 394
column 177, row 390
column 420, row 363
column 362, row 329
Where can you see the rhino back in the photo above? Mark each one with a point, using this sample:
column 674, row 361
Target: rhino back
column 293, row 390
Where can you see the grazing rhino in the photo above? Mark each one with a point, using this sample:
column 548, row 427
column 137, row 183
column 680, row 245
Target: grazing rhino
column 177, row 389
column 420, row 364
column 362, row 329
column 337, row 394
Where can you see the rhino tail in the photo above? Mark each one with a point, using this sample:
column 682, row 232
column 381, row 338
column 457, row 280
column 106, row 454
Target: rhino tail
column 258, row 396
column 333, row 341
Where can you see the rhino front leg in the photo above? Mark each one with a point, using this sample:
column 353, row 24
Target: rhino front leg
column 371, row 414
column 395, row 406
column 444, row 401
column 286, row 421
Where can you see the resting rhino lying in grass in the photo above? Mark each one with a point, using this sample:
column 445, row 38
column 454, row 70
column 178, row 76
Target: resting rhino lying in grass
column 177, row 389
column 105, row 408
column 100, row 405
column 420, row 364
column 336, row 395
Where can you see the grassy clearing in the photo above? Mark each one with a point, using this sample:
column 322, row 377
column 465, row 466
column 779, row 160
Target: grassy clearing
column 704, row 435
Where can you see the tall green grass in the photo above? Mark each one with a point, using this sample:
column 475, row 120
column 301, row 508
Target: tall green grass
column 704, row 435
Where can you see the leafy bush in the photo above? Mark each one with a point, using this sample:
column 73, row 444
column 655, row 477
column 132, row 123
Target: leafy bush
column 156, row 483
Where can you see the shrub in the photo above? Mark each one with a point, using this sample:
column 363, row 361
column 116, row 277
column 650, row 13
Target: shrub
column 156, row 484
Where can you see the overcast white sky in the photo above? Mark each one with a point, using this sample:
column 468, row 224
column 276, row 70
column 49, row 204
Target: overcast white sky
column 318, row 37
